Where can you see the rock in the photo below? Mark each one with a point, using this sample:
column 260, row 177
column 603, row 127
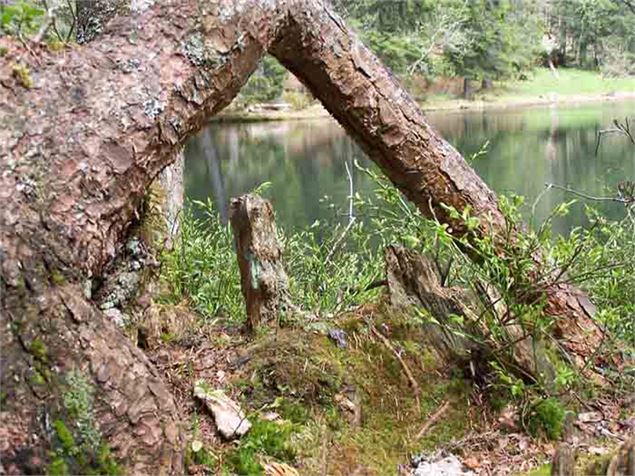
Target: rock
column 439, row 464
column 230, row 420
column 339, row 337
column 590, row 417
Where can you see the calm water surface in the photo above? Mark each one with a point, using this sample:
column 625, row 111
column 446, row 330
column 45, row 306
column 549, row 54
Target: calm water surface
column 305, row 161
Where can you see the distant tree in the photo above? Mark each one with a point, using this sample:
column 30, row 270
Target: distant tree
column 266, row 84
column 502, row 40
column 594, row 33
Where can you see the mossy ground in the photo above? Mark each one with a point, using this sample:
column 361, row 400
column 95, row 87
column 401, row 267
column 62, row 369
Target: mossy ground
column 340, row 410
column 324, row 409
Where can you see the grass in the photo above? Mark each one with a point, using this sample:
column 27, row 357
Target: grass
column 570, row 82
column 541, row 86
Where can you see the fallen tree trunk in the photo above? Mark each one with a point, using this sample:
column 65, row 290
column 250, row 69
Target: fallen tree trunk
column 388, row 124
column 84, row 132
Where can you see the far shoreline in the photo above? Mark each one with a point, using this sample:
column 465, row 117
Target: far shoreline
column 316, row 111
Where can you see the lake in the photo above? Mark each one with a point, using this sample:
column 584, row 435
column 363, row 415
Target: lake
column 306, row 161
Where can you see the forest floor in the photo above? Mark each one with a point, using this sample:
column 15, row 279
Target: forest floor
column 343, row 403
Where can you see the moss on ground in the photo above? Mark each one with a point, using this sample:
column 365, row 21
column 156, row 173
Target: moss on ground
column 312, row 383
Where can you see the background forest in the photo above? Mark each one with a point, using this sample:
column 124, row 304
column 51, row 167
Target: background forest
column 481, row 41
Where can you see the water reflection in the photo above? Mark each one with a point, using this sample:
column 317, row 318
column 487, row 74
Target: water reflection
column 306, row 160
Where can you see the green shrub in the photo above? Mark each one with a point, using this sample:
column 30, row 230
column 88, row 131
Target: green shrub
column 20, row 18
column 266, row 84
column 264, row 438
column 547, row 417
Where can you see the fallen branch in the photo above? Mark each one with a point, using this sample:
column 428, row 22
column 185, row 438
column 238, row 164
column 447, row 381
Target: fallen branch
column 433, row 419
column 586, row 195
column 406, row 369
column 620, row 128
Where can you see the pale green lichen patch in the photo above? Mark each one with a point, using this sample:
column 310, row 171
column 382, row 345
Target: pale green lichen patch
column 201, row 54
column 77, row 446
column 22, row 75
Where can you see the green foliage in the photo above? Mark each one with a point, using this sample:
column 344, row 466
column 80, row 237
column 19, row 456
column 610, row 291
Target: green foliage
column 604, row 266
column 266, row 84
column 329, row 267
column 501, row 40
column 202, row 267
column 475, row 39
column 21, row 18
column 264, row 438
column 547, row 417
column 595, row 33
column 58, row 467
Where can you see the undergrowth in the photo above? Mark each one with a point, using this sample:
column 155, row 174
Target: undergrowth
column 337, row 266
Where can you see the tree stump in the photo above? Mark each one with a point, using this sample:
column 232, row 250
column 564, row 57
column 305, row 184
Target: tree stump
column 413, row 281
column 563, row 463
column 264, row 281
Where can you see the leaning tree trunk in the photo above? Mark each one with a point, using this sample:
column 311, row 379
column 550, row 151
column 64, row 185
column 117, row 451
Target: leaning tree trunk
column 84, row 131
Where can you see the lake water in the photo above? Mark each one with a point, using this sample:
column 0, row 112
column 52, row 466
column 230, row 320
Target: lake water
column 305, row 161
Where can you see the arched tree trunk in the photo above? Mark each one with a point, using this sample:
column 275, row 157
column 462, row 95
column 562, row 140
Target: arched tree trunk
column 85, row 131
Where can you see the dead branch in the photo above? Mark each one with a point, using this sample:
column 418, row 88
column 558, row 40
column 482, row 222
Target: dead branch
column 620, row 128
column 433, row 419
column 586, row 195
column 413, row 383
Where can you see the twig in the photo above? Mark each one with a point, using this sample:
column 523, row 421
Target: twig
column 548, row 187
column 413, row 383
column 44, row 28
column 339, row 241
column 433, row 419
column 351, row 191
column 624, row 129
column 586, row 195
column 48, row 23
column 74, row 15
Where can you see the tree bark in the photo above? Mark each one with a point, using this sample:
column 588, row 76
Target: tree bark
column 264, row 281
column 81, row 145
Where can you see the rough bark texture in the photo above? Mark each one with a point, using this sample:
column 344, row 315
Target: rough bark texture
column 412, row 281
column 378, row 113
column 78, row 150
column 81, row 144
column 263, row 278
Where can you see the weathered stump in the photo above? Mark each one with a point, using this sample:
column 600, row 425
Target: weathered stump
column 264, row 281
column 563, row 462
column 413, row 281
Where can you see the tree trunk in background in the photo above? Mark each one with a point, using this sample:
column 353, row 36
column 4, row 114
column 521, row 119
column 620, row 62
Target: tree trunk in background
column 79, row 149
column 171, row 182
column 468, row 89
